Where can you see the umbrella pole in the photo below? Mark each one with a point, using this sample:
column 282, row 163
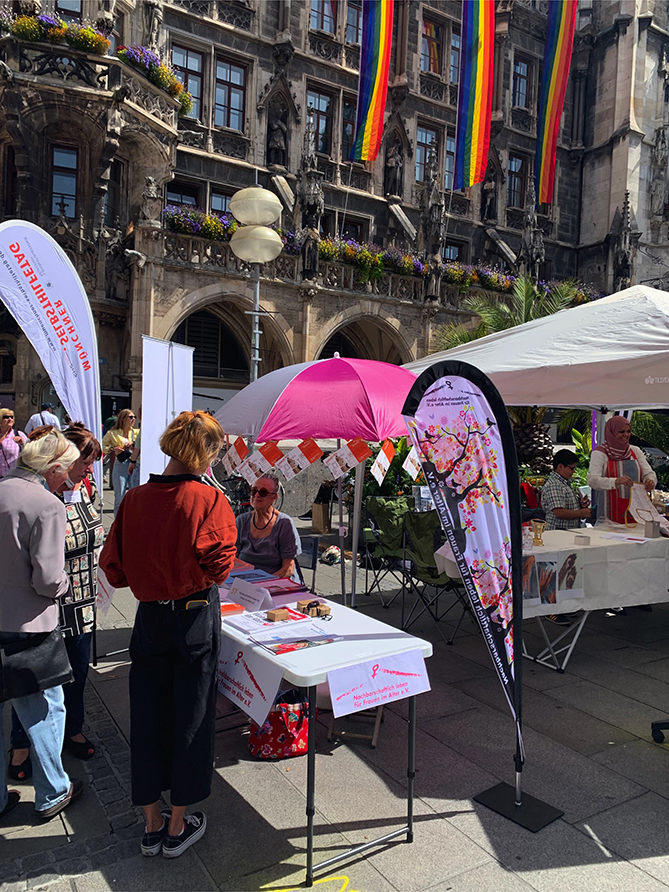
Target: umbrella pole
column 340, row 498
column 357, row 505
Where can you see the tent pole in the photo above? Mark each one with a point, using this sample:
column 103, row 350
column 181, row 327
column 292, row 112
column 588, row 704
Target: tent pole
column 357, row 506
column 340, row 497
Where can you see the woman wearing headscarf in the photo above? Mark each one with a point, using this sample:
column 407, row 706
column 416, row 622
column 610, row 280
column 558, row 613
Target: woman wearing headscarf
column 615, row 467
column 84, row 535
column 32, row 535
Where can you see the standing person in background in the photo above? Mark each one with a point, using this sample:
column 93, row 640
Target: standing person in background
column 133, row 464
column 44, row 416
column 120, row 440
column 32, row 534
column 172, row 543
column 11, row 442
column 84, row 535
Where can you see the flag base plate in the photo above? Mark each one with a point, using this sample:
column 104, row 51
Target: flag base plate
column 533, row 814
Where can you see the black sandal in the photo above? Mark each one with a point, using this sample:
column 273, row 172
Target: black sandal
column 83, row 751
column 13, row 799
column 22, row 772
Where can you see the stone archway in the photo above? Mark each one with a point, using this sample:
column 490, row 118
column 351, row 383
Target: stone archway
column 371, row 335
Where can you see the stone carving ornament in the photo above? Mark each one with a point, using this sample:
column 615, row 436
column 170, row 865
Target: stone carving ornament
column 658, row 185
column 394, row 168
column 153, row 19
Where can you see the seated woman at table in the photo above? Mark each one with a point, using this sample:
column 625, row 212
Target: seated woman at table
column 614, row 467
column 267, row 538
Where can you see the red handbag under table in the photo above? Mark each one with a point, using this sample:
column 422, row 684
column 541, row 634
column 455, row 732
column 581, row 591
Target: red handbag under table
column 285, row 732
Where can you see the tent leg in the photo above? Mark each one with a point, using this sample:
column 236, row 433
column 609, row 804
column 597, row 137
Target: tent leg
column 340, row 497
column 357, row 508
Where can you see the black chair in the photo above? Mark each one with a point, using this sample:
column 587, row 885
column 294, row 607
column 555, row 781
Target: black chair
column 308, row 560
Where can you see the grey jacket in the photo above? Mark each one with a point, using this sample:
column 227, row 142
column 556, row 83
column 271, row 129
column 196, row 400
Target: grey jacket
column 32, row 553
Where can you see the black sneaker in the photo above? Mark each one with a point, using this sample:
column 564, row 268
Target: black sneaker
column 152, row 842
column 562, row 619
column 194, row 827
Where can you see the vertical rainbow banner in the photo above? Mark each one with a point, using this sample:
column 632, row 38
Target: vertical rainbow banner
column 557, row 58
column 377, row 36
column 475, row 95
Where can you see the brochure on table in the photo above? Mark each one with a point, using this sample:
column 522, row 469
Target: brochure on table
column 259, row 463
column 341, row 462
column 376, row 682
column 235, row 456
column 298, row 459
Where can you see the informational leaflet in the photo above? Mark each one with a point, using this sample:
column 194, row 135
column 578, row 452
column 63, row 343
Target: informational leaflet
column 235, row 456
column 250, row 681
column 412, row 465
column 340, row 463
column 258, row 463
column 371, row 684
column 642, row 509
column 382, row 461
column 257, row 623
column 105, row 592
column 285, row 638
column 305, row 454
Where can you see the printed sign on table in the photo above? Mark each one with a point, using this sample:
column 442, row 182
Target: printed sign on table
column 382, row 461
column 371, row 684
column 235, row 456
column 247, row 679
column 340, row 463
column 260, row 462
column 412, row 464
column 551, row 577
column 570, row 576
column 299, row 458
column 252, row 597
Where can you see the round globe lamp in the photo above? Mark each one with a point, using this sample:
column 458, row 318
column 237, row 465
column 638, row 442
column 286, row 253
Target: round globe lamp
column 256, row 244
column 255, row 206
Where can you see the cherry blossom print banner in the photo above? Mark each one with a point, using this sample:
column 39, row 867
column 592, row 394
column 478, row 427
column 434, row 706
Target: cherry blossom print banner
column 461, row 431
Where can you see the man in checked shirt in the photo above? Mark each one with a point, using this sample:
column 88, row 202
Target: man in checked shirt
column 564, row 508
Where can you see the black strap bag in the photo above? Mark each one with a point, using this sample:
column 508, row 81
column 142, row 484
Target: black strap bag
column 34, row 663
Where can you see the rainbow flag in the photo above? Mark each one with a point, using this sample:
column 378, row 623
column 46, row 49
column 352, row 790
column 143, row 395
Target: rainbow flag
column 377, row 36
column 557, row 57
column 475, row 94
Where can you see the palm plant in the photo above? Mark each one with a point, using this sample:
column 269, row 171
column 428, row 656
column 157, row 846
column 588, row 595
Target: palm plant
column 525, row 303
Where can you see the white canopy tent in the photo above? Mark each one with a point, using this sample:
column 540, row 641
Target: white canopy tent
column 611, row 353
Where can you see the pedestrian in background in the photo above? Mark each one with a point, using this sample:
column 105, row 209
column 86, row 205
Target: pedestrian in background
column 44, row 416
column 120, row 440
column 173, row 543
column 11, row 442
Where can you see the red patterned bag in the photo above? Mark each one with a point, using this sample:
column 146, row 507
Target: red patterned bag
column 285, row 732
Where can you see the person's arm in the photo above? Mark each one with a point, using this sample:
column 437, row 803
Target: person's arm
column 597, row 478
column 111, row 555
column 29, row 425
column 47, row 552
column 552, row 502
column 648, row 475
column 569, row 514
column 215, row 544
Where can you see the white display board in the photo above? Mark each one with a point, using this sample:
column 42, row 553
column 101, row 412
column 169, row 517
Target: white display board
column 167, row 390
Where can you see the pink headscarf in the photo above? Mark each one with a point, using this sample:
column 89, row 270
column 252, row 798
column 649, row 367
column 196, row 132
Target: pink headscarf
column 612, row 446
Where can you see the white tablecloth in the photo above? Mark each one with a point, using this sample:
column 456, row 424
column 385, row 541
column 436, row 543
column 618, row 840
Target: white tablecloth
column 616, row 573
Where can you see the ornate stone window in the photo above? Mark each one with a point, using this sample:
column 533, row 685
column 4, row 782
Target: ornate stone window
column 425, row 137
column 115, row 190
column 219, row 201
column 454, row 66
column 217, row 352
column 188, row 66
column 431, row 47
column 230, row 95
column 353, row 229
column 522, row 83
column 323, row 16
column 70, row 10
column 516, row 182
column 64, row 181
column 449, row 167
column 454, row 250
column 182, row 193
column 354, row 21
column 323, row 109
column 348, row 127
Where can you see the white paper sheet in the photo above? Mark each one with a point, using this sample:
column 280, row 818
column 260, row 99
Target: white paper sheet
column 247, row 679
column 371, row 684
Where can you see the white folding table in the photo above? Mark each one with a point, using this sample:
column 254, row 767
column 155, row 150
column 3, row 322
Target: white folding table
column 363, row 639
column 616, row 573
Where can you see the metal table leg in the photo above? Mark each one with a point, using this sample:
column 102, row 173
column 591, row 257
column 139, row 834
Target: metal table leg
column 311, row 785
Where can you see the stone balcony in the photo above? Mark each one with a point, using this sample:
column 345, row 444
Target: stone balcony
column 29, row 63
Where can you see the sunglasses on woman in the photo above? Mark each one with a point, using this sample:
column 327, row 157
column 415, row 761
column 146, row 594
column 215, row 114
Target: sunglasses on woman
column 263, row 493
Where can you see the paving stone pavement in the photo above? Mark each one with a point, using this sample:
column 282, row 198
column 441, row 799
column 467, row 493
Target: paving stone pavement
column 589, row 752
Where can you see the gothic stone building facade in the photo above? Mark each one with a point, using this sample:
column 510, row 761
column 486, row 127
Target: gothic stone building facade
column 92, row 152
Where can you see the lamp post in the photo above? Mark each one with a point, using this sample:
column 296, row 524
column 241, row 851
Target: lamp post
column 255, row 243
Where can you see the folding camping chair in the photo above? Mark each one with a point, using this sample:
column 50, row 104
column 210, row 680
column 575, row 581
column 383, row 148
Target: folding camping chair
column 423, row 535
column 308, row 560
column 382, row 541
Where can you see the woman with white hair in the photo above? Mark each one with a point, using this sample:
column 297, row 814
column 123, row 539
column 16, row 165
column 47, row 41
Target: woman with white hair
column 32, row 538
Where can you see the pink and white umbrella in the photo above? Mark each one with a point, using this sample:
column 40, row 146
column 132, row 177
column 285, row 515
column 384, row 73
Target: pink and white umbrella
column 327, row 399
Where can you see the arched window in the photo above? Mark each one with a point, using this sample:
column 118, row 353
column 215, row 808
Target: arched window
column 217, row 353
column 340, row 344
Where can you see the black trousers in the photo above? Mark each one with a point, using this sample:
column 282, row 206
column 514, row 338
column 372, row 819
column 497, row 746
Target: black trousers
column 174, row 653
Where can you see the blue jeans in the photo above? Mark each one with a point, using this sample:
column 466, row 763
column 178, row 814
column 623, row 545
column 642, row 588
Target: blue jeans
column 134, row 478
column 78, row 649
column 43, row 716
column 120, row 482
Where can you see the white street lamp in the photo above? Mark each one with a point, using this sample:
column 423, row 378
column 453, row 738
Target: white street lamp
column 255, row 243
